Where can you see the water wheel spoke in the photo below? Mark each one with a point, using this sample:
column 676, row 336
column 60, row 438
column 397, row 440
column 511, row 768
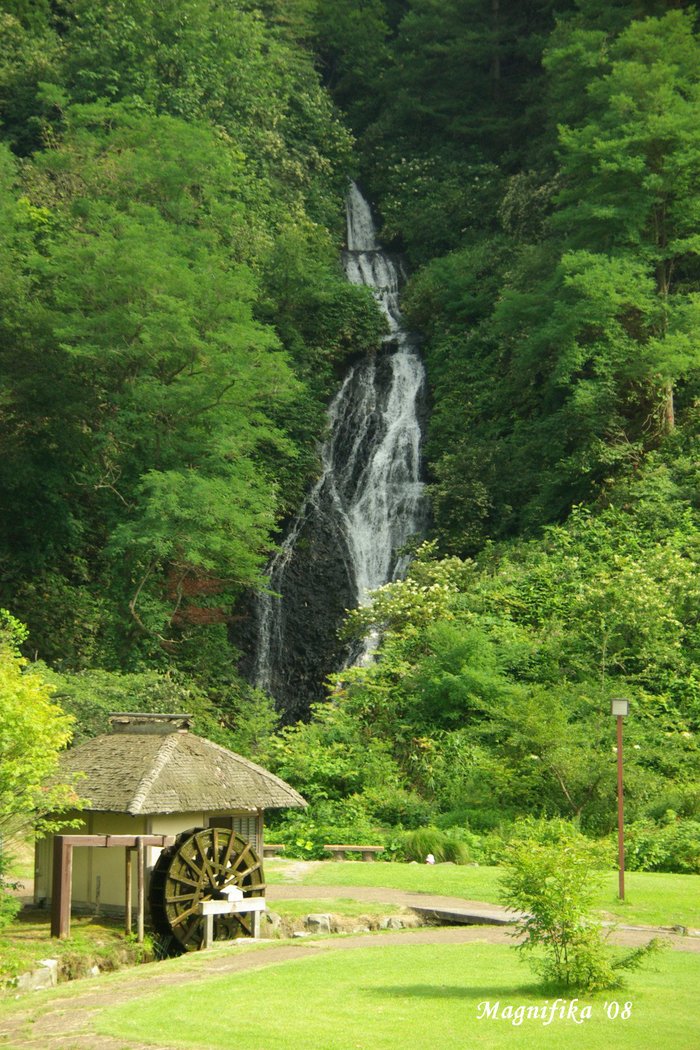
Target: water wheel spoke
column 185, row 880
column 197, row 870
column 246, row 922
column 255, row 889
column 240, row 875
column 181, row 916
column 240, row 858
column 207, row 870
column 225, row 860
column 195, row 928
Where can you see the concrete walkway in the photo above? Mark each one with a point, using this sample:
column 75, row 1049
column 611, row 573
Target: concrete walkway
column 456, row 910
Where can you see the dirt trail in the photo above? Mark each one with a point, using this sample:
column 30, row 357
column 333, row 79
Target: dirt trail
column 382, row 895
column 625, row 934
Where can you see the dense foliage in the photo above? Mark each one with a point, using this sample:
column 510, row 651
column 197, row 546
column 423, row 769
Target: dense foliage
column 538, row 163
column 173, row 320
column 491, row 695
column 173, row 314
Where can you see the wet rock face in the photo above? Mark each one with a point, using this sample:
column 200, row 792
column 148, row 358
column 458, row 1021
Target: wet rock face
column 317, row 592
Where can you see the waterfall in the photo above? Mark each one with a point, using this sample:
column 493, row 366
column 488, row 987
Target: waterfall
column 368, row 501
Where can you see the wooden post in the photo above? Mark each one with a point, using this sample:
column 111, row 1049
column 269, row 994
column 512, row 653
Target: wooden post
column 140, row 887
column 63, row 872
column 208, row 931
column 620, row 815
column 61, row 888
column 128, row 913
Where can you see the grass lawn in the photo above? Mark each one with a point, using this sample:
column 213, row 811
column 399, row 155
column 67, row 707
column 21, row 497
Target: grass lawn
column 385, row 998
column 651, row 898
column 344, row 906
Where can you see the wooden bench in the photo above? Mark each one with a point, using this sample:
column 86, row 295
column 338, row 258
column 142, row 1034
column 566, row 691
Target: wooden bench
column 272, row 850
column 367, row 852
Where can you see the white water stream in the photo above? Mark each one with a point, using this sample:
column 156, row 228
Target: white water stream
column 369, row 489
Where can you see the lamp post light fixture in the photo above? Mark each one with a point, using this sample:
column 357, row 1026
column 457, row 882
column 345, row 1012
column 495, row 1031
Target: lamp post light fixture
column 620, row 708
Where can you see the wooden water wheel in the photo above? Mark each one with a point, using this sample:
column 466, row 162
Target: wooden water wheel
column 201, row 864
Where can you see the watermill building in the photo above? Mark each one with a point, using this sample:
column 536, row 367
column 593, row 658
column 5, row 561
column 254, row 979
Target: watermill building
column 151, row 776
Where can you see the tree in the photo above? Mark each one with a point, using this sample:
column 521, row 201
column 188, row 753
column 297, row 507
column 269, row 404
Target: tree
column 550, row 875
column 200, row 60
column 630, row 170
column 29, row 69
column 152, row 322
column 33, row 732
column 145, row 322
column 562, row 351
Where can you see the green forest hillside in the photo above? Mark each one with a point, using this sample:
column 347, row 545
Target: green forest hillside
column 174, row 320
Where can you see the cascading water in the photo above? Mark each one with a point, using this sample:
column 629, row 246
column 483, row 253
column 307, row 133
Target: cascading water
column 368, row 502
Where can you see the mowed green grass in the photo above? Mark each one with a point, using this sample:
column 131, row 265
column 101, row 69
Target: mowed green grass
column 413, row 996
column 343, row 906
column 650, row 898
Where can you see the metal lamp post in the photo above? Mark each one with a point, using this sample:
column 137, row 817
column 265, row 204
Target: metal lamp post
column 620, row 708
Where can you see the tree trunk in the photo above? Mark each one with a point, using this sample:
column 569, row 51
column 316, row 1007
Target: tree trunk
column 668, row 415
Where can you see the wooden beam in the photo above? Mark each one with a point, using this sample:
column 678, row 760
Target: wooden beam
column 123, row 841
column 62, row 884
column 63, row 846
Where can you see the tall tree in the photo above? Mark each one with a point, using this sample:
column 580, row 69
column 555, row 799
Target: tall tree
column 631, row 180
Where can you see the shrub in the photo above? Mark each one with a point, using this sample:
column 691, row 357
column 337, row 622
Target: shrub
column 471, row 847
column 9, row 905
column 443, row 846
column 673, row 845
column 551, row 875
column 305, row 832
column 422, row 841
column 457, row 851
column 394, row 806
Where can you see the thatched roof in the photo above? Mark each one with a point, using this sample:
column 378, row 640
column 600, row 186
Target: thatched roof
column 152, row 764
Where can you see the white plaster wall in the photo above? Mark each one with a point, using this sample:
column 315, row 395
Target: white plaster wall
column 100, row 872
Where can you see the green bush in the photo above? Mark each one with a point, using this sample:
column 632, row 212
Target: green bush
column 551, row 875
column 397, row 807
column 422, row 841
column 444, row 846
column 472, row 846
column 457, row 851
column 673, row 845
column 304, row 833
